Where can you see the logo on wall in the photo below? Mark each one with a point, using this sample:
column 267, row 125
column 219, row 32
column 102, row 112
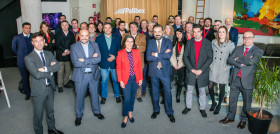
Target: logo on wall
column 127, row 10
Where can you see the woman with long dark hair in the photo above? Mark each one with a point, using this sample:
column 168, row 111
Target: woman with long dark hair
column 48, row 36
column 99, row 29
column 130, row 76
column 219, row 69
column 179, row 42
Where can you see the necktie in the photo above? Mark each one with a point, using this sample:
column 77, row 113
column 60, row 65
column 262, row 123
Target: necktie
column 44, row 63
column 239, row 73
column 159, row 66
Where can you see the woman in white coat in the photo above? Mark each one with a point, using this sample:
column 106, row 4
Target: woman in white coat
column 219, row 69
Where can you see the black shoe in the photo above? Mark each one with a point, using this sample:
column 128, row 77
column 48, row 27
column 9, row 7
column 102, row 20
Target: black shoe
column 179, row 89
column 186, row 110
column 27, row 97
column 78, row 121
column 68, row 85
column 118, row 99
column 103, row 100
column 123, row 125
column 241, row 124
column 172, row 119
column 55, row 131
column 60, row 89
column 131, row 120
column 203, row 113
column 154, row 115
column 99, row 116
column 139, row 99
column 178, row 99
column 217, row 109
column 213, row 106
column 162, row 102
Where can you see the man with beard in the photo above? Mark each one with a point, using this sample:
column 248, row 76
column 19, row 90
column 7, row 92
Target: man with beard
column 159, row 54
column 207, row 31
column 121, row 31
column 171, row 20
column 85, row 56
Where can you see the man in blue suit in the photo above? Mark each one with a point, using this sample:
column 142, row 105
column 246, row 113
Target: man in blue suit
column 121, row 31
column 21, row 46
column 178, row 23
column 109, row 45
column 85, row 56
column 159, row 54
column 232, row 31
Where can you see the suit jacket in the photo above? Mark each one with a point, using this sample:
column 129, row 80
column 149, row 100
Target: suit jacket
column 38, row 79
column 20, row 48
column 50, row 46
column 77, row 52
column 140, row 41
column 250, row 60
column 234, row 35
column 175, row 27
column 62, row 43
column 204, row 61
column 163, row 57
column 210, row 34
column 123, row 67
column 119, row 34
column 115, row 46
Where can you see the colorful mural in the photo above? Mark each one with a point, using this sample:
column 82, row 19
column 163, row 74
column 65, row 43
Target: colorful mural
column 260, row 16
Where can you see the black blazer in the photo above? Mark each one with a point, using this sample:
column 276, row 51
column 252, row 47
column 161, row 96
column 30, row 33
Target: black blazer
column 62, row 43
column 50, row 46
column 204, row 61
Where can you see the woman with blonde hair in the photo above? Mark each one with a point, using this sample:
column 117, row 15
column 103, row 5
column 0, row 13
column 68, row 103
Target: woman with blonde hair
column 168, row 32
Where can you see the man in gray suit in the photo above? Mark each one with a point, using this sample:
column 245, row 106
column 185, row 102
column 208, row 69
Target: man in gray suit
column 244, row 59
column 41, row 65
column 198, row 56
column 85, row 56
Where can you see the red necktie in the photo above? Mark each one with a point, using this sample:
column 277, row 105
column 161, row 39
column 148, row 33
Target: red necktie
column 239, row 73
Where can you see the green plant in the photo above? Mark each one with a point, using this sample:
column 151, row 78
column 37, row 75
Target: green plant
column 267, row 82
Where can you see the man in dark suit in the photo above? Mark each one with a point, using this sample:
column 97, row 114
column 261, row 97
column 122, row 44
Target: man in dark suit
column 244, row 59
column 198, row 56
column 121, row 31
column 58, row 27
column 41, row 65
column 207, row 31
column 178, row 23
column 64, row 39
column 232, row 31
column 21, row 46
column 85, row 56
column 109, row 45
column 159, row 54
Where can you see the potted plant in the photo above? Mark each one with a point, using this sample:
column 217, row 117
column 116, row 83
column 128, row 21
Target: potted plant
column 267, row 92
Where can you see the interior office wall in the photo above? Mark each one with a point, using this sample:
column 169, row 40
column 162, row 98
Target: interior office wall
column 86, row 10
column 55, row 7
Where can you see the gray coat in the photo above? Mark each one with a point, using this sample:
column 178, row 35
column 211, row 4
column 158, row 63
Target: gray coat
column 219, row 69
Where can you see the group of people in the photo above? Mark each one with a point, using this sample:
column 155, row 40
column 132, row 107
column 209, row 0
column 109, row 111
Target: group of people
column 194, row 55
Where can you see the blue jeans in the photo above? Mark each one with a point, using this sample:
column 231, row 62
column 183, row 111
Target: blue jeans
column 104, row 82
column 129, row 95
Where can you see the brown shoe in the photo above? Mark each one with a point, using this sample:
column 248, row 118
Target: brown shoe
column 241, row 125
column 226, row 121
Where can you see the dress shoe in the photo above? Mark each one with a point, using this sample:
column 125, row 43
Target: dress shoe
column 186, row 110
column 154, row 115
column 78, row 121
column 226, row 121
column 103, row 100
column 143, row 94
column 217, row 109
column 99, row 116
column 203, row 113
column 55, row 131
column 60, row 89
column 123, row 124
column 162, row 101
column 241, row 124
column 118, row 99
column 131, row 120
column 213, row 106
column 27, row 97
column 139, row 99
column 68, row 85
column 172, row 119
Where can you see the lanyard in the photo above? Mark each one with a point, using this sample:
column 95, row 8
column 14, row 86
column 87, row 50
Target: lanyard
column 48, row 38
column 206, row 32
column 179, row 48
column 74, row 32
column 94, row 38
column 188, row 37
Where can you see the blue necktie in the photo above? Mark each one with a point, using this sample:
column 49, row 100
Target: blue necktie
column 44, row 63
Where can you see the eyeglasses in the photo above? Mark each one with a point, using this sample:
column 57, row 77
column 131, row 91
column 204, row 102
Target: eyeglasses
column 247, row 38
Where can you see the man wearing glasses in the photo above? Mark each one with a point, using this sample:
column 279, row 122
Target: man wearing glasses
column 244, row 59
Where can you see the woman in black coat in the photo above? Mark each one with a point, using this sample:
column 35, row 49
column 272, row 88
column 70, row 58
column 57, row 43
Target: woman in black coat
column 48, row 36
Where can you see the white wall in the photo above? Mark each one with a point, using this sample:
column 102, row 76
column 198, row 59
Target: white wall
column 220, row 10
column 54, row 7
column 86, row 10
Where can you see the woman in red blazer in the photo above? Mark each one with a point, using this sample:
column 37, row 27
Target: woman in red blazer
column 130, row 76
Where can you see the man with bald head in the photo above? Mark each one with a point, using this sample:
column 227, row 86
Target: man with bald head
column 232, row 31
column 244, row 59
column 85, row 56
